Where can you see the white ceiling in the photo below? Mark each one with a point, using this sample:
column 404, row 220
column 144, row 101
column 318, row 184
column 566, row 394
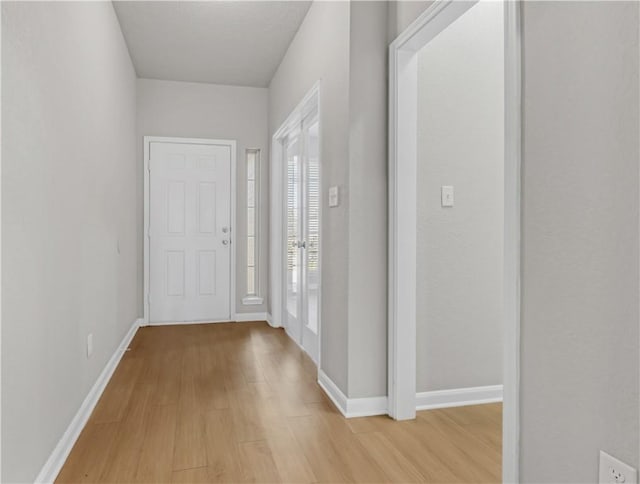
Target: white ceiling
column 220, row 42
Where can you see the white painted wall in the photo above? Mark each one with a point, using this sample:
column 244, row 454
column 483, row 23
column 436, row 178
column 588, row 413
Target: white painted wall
column 460, row 249
column 320, row 50
column 198, row 110
column 68, row 216
column 580, row 361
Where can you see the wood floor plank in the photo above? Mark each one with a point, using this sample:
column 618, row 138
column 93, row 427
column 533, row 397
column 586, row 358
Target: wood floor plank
column 359, row 462
column 211, row 391
column 247, row 419
column 484, row 422
column 199, row 475
column 257, row 462
column 464, row 450
column 89, row 455
column 122, row 462
column 223, row 454
column 189, row 448
column 289, row 458
column 321, row 453
column 167, row 390
column 155, row 463
column 113, row 403
column 365, row 424
column 395, row 465
column 429, row 463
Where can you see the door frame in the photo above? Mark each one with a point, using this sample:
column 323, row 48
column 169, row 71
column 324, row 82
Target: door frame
column 233, row 228
column 278, row 213
column 403, row 94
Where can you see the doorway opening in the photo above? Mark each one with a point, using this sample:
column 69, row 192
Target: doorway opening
column 406, row 242
column 296, row 213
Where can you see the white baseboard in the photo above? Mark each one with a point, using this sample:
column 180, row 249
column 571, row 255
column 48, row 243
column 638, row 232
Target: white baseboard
column 183, row 323
column 56, row 460
column 458, row 397
column 236, row 317
column 271, row 322
column 243, row 317
column 338, row 398
column 351, row 407
column 366, row 407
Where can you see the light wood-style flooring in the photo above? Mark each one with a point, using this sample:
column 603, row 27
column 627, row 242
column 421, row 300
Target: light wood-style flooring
column 239, row 402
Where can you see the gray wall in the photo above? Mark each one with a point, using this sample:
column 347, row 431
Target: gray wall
column 197, row 110
column 401, row 13
column 69, row 244
column 368, row 200
column 320, row 50
column 580, row 238
column 460, row 249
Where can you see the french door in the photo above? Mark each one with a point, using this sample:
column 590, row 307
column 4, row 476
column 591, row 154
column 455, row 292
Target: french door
column 302, row 258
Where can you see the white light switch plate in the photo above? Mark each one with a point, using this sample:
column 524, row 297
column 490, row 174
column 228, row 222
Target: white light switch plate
column 334, row 198
column 447, row 196
column 613, row 471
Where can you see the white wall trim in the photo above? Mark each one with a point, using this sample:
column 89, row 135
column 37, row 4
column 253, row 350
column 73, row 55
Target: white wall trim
column 272, row 322
column 235, row 318
column 403, row 116
column 56, row 460
column 366, row 407
column 234, row 182
column 252, row 300
column 458, row 397
column 187, row 323
column 338, row 398
column 402, row 213
column 351, row 407
column 512, row 243
column 243, row 317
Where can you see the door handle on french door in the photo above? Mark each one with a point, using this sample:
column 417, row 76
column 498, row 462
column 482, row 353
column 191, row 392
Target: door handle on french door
column 226, row 242
column 302, row 244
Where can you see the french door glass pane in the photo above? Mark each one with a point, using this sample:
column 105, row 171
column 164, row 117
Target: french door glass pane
column 312, row 223
column 293, row 222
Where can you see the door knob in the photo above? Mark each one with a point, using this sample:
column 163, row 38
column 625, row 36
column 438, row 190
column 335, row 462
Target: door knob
column 225, row 230
column 225, row 242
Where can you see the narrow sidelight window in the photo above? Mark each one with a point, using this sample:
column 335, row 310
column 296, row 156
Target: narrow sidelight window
column 253, row 210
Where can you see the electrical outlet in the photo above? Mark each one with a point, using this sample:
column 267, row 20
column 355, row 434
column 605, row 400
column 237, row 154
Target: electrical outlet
column 89, row 345
column 613, row 471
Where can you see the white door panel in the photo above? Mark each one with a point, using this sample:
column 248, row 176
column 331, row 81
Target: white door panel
column 189, row 232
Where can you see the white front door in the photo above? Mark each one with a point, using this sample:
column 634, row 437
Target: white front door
column 189, row 232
